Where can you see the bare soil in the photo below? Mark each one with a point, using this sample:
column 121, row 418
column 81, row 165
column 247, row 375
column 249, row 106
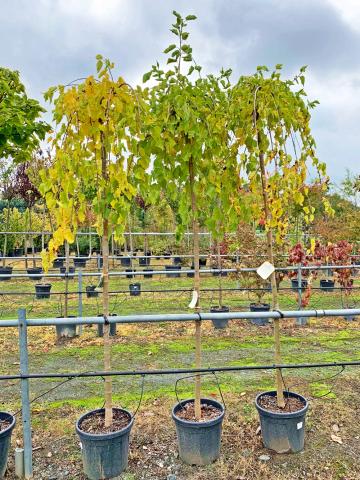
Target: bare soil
column 96, row 423
column 269, row 402
column 208, row 412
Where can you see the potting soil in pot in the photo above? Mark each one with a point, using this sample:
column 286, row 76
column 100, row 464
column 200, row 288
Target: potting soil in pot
column 292, row 404
column 95, row 424
column 4, row 424
column 208, row 412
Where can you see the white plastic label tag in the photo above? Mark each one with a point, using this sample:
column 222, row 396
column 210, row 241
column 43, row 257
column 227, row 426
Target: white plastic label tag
column 299, row 425
column 194, row 299
column 265, row 270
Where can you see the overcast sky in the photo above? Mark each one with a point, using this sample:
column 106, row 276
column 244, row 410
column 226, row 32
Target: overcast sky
column 55, row 41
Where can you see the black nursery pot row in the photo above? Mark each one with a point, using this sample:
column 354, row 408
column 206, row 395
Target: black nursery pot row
column 105, row 455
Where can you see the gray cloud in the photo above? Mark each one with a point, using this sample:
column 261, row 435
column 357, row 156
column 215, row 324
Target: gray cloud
column 55, row 41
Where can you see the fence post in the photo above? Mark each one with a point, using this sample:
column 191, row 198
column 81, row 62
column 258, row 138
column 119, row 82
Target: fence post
column 25, row 396
column 301, row 320
column 80, row 305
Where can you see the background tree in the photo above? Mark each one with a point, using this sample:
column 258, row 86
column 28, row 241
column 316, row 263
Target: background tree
column 21, row 129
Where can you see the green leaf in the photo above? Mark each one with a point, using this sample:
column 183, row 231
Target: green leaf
column 147, row 76
column 190, row 17
column 169, row 48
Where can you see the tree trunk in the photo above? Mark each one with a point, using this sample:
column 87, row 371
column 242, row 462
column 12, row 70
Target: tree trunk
column 6, row 235
column 67, row 264
column 107, row 341
column 220, row 275
column 275, row 300
column 43, row 228
column 196, row 252
column 113, row 250
column 90, row 243
column 26, row 242
column 32, row 239
column 130, row 242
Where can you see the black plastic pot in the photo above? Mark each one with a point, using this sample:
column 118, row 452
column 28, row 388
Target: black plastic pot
column 295, row 284
column 129, row 270
column 80, row 262
column 104, row 455
column 177, row 261
column 171, row 268
column 148, row 275
column 42, row 290
column 283, row 432
column 5, row 438
column 18, row 252
column 259, row 307
column 71, row 271
column 218, row 274
column 135, row 289
column 90, row 291
column 125, row 261
column 191, row 274
column 66, row 330
column 202, row 262
column 5, row 271
column 220, row 323
column 199, row 442
column 144, row 261
column 100, row 327
column 327, row 285
column 58, row 262
column 32, row 272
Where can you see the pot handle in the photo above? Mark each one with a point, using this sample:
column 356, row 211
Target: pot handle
column 141, row 397
column 200, row 375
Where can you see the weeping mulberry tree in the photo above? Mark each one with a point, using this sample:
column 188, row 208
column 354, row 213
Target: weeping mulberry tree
column 187, row 132
column 95, row 146
column 272, row 128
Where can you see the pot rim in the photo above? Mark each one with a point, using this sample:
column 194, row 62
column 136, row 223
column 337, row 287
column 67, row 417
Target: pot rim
column 192, row 424
column 105, row 436
column 218, row 309
column 268, row 413
column 9, row 429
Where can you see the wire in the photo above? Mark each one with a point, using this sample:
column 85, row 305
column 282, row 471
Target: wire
column 54, row 388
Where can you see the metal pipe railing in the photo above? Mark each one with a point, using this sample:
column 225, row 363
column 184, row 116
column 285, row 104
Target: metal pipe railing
column 174, row 271
column 183, row 317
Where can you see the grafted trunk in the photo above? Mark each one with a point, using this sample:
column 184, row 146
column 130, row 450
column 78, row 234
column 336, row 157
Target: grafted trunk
column 275, row 300
column 6, row 235
column 105, row 271
column 196, row 251
column 67, row 264
column 106, row 312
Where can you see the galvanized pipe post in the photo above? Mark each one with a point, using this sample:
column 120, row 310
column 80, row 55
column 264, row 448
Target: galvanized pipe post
column 25, row 394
